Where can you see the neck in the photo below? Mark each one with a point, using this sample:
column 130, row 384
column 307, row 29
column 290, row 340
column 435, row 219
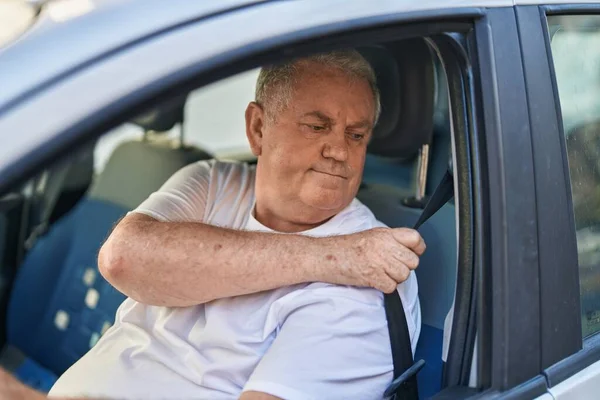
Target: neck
column 299, row 223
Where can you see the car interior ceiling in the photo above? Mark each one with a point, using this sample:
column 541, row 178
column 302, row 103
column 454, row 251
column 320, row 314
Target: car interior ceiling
column 408, row 155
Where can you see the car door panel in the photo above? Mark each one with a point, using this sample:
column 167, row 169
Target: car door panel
column 582, row 385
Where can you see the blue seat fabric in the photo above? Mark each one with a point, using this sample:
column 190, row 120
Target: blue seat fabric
column 48, row 319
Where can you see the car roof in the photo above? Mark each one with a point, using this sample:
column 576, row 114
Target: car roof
column 551, row 2
column 51, row 47
column 59, row 44
column 54, row 46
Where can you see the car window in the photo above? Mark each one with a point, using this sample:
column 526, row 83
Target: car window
column 213, row 121
column 214, row 115
column 575, row 44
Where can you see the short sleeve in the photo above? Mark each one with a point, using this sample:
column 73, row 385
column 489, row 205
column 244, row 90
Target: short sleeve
column 332, row 343
column 183, row 197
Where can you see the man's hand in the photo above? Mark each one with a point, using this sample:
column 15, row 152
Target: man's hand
column 380, row 258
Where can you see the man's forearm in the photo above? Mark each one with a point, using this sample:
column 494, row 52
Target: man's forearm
column 183, row 264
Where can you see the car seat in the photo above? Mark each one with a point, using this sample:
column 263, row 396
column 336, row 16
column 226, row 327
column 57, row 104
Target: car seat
column 60, row 305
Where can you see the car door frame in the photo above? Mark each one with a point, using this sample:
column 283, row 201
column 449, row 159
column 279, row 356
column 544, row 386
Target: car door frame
column 509, row 361
column 499, row 113
column 564, row 352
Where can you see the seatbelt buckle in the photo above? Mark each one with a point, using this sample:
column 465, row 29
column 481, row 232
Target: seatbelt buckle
column 400, row 384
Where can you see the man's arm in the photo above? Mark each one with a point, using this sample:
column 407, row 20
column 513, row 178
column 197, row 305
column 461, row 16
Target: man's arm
column 180, row 264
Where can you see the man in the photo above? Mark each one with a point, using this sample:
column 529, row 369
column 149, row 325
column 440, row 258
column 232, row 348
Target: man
column 222, row 305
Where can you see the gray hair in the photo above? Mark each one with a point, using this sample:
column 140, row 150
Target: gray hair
column 275, row 83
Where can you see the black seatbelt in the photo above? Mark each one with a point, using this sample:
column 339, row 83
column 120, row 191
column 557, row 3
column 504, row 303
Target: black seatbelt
column 53, row 184
column 441, row 195
column 404, row 385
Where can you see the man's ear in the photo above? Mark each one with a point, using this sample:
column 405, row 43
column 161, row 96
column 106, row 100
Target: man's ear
column 255, row 122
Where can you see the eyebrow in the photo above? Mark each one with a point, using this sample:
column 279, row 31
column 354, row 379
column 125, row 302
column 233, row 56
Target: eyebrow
column 319, row 115
column 363, row 124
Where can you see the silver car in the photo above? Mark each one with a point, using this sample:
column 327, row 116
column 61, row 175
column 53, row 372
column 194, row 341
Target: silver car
column 101, row 101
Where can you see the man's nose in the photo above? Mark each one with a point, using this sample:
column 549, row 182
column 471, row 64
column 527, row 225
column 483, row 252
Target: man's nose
column 336, row 146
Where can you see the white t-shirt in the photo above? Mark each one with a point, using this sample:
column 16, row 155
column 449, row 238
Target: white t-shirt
column 307, row 341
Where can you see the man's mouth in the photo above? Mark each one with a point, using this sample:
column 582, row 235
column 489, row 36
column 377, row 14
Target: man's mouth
column 330, row 174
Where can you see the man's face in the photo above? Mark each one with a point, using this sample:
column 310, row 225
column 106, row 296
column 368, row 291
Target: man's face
column 311, row 155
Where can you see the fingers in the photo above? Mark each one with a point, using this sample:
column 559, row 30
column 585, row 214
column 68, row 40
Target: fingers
column 410, row 238
column 388, row 285
column 398, row 272
column 389, row 279
column 395, row 276
column 383, row 257
column 406, row 257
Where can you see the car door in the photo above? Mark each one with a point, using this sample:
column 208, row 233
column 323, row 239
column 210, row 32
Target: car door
column 561, row 63
column 498, row 286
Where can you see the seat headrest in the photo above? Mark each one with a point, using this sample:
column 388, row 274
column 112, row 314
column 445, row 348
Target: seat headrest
column 163, row 117
column 135, row 169
column 405, row 77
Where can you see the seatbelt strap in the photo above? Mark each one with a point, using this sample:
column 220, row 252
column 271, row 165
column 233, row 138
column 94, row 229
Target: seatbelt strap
column 441, row 195
column 404, row 385
column 52, row 187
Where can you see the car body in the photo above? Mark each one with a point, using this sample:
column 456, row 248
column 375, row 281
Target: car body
column 517, row 303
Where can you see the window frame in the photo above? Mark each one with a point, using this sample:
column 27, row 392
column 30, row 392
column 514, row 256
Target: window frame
column 564, row 351
column 509, row 283
column 561, row 323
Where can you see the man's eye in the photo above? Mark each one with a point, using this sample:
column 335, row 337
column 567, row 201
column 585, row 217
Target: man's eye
column 356, row 136
column 317, row 128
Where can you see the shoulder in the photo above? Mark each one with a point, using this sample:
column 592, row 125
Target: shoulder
column 230, row 193
column 215, row 176
column 231, row 171
column 217, row 169
column 191, row 193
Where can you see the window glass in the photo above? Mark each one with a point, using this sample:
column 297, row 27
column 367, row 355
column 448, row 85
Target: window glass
column 213, row 121
column 214, row 115
column 575, row 44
